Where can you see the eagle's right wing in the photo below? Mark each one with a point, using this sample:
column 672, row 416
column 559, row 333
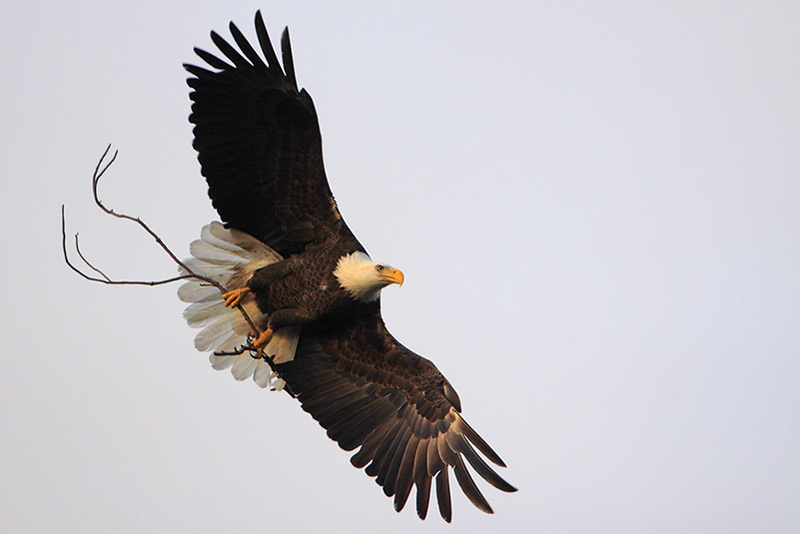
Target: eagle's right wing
column 371, row 392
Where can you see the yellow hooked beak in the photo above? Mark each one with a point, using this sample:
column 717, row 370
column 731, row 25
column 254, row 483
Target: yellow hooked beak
column 394, row 276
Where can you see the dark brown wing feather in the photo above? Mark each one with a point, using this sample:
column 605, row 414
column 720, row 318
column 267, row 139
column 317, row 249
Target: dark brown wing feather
column 369, row 391
column 259, row 145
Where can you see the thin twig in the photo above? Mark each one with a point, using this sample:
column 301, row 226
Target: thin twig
column 241, row 350
column 96, row 180
column 99, row 171
column 78, row 249
column 105, row 279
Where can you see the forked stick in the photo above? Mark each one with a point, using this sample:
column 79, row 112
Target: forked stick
column 99, row 171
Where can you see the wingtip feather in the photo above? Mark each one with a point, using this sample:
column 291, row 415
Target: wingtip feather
column 288, row 60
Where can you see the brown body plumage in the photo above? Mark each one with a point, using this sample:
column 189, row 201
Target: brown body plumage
column 301, row 288
column 259, row 146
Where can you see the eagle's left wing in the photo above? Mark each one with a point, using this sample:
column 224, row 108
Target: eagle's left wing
column 371, row 392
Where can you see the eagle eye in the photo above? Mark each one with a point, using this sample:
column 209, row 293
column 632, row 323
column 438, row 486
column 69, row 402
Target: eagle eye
column 379, row 268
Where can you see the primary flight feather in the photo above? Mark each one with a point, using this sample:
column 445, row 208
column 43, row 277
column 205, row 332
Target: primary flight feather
column 287, row 257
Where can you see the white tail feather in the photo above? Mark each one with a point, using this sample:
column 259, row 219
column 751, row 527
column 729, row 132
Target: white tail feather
column 243, row 367
column 205, row 251
column 231, row 257
column 220, row 363
column 201, row 313
column 207, row 235
column 262, row 375
column 197, row 293
column 216, row 333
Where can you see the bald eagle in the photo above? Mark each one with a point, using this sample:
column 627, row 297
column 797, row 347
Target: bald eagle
column 286, row 257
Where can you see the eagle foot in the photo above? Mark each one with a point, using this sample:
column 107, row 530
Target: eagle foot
column 261, row 341
column 234, row 297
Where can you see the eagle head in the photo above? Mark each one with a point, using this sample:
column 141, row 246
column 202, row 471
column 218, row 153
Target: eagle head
column 363, row 278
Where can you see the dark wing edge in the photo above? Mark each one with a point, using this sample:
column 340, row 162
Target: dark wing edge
column 259, row 144
column 403, row 416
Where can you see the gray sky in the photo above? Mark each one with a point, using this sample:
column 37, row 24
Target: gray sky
column 596, row 206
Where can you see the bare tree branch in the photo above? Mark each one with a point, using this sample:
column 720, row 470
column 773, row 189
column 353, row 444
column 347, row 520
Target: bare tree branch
column 96, row 180
column 99, row 171
column 106, row 280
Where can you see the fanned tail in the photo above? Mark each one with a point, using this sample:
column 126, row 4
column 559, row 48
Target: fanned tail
column 231, row 257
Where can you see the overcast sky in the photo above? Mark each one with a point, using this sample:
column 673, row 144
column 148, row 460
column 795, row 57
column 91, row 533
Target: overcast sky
column 596, row 206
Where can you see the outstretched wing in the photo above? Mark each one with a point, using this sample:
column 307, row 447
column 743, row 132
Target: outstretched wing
column 371, row 392
column 259, row 145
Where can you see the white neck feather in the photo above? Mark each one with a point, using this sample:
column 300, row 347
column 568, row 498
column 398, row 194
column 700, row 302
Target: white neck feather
column 356, row 274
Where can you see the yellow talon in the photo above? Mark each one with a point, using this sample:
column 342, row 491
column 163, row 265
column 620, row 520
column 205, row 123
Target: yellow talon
column 232, row 298
column 261, row 341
